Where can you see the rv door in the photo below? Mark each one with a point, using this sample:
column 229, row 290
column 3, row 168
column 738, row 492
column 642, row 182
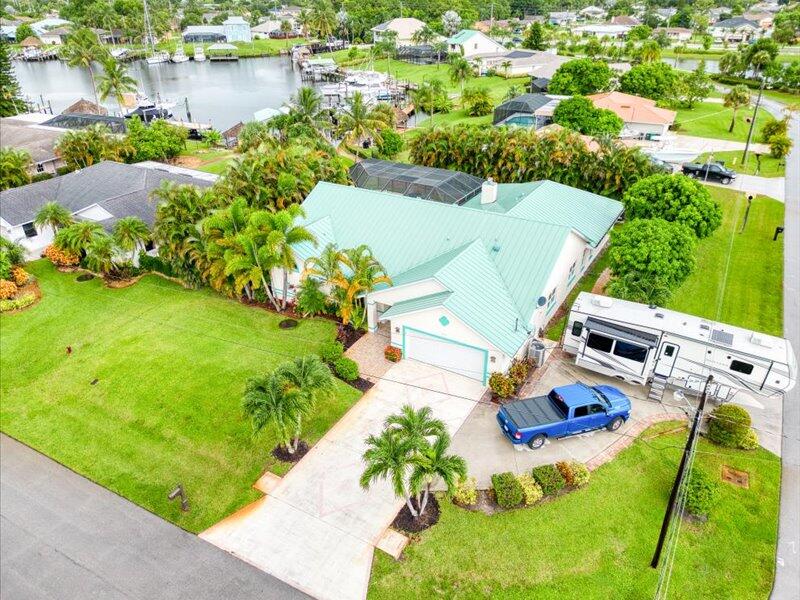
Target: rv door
column 666, row 359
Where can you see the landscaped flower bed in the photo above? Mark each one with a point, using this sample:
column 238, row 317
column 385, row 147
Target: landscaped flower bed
column 505, row 387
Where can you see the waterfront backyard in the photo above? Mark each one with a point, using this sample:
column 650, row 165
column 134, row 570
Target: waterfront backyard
column 150, row 394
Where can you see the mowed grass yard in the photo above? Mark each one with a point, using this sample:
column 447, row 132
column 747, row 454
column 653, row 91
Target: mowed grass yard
column 170, row 366
column 739, row 275
column 597, row 542
column 710, row 120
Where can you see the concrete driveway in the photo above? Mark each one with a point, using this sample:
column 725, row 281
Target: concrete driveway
column 317, row 529
column 487, row 451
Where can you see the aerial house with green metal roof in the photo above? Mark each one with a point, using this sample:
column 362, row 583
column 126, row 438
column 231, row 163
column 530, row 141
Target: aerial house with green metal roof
column 473, row 283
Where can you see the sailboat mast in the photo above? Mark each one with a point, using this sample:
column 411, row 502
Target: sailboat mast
column 148, row 30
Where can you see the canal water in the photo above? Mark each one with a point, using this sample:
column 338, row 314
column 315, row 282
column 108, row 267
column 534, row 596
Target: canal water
column 219, row 93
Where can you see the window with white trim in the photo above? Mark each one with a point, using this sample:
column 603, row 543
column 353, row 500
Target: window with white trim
column 29, row 229
column 551, row 300
column 571, row 276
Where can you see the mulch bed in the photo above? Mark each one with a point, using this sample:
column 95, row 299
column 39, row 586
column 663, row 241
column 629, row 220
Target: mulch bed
column 288, row 324
column 348, row 335
column 404, row 521
column 361, row 384
column 84, row 277
column 281, row 454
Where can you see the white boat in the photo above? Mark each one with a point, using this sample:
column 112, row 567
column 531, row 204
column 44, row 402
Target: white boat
column 179, row 56
column 119, row 53
column 157, row 58
column 373, row 85
column 199, row 54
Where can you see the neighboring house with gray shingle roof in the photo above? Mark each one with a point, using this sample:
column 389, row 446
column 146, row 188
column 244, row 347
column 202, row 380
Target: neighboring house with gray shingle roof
column 472, row 283
column 104, row 193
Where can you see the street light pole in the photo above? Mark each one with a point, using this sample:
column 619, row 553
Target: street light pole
column 753, row 122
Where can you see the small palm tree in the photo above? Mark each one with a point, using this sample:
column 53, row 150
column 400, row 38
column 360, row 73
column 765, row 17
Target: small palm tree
column 115, row 81
column 14, row 168
column 506, row 65
column 266, row 403
column 650, row 51
column 83, row 49
column 130, row 233
column 388, row 457
column 432, row 461
column 54, row 216
column 306, row 108
column 100, row 254
column 76, row 238
column 416, row 426
column 307, row 380
column 460, row 71
column 737, row 97
column 366, row 273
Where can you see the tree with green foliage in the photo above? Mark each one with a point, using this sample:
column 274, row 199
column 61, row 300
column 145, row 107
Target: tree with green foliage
column 211, row 138
column 100, row 254
column 650, row 52
column 579, row 114
column 737, row 97
column 693, row 87
column 255, row 133
column 83, row 49
column 512, row 92
column 580, row 77
column 390, row 143
column 653, row 80
column 24, row 31
column 130, row 233
column 115, row 81
column 15, row 168
column 780, row 145
column 431, row 97
column 752, row 58
column 388, row 457
column 78, row 236
column 460, row 71
column 358, row 123
column 10, row 101
column 477, row 100
column 52, row 215
column 674, row 198
column 431, row 463
column 157, row 141
column 416, row 426
column 640, row 33
column 311, row 299
column 534, row 38
column 654, row 254
column 306, row 108
column 323, row 20
column 81, row 148
column 731, row 64
column 774, row 127
column 267, row 403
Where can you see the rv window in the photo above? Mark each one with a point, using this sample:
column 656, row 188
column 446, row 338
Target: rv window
column 741, row 367
column 577, row 328
column 669, row 350
column 630, row 351
column 595, row 341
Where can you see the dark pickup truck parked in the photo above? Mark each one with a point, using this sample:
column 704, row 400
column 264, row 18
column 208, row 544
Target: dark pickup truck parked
column 566, row 410
column 709, row 171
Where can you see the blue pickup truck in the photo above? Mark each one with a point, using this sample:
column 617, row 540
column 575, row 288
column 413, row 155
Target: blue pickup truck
column 566, row 410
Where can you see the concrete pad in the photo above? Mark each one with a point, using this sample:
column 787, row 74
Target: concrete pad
column 393, row 543
column 267, row 482
column 317, row 528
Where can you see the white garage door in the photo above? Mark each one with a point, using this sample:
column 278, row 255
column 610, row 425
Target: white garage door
column 446, row 354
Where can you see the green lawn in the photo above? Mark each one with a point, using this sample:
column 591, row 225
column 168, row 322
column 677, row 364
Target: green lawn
column 211, row 160
column 711, row 120
column 770, row 167
column 739, row 276
column 170, row 366
column 598, row 542
column 785, row 97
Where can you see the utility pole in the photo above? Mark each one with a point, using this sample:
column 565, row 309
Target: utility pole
column 753, row 122
column 687, row 451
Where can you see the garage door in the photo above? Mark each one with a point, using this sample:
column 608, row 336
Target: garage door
column 446, row 354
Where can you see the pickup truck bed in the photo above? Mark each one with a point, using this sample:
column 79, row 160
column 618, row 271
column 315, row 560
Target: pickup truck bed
column 533, row 412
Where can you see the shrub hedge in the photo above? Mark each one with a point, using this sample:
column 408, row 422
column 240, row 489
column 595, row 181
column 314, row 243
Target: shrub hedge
column 17, row 303
column 466, row 492
column 502, row 385
column 728, row 425
column 702, row 493
column 331, row 351
column 549, row 478
column 531, row 491
column 155, row 263
column 575, row 474
column 346, row 368
column 507, row 490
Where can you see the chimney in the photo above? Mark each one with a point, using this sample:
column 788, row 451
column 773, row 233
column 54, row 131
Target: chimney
column 489, row 192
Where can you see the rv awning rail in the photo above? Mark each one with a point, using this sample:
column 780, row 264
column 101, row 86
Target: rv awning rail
column 622, row 332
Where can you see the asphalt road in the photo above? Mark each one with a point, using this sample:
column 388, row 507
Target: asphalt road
column 64, row 537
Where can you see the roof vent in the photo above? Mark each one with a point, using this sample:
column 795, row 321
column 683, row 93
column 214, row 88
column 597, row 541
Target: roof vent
column 602, row 301
column 496, row 245
column 722, row 337
column 659, row 315
column 489, row 192
column 760, row 340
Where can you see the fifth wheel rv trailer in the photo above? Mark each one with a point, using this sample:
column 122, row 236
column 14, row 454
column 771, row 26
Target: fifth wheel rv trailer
column 641, row 344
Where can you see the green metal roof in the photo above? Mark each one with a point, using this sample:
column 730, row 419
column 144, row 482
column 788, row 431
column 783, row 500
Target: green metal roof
column 588, row 214
column 416, row 304
column 496, row 265
column 462, row 36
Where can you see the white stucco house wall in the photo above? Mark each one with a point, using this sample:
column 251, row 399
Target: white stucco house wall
column 403, row 28
column 236, row 29
column 472, row 283
column 471, row 43
column 736, row 29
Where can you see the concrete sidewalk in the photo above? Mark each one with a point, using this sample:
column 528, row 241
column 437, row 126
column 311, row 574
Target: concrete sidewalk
column 317, row 528
column 66, row 537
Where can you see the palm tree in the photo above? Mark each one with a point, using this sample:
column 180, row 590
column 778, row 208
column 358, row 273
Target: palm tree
column 100, row 253
column 115, row 81
column 460, row 71
column 650, row 51
column 284, row 235
column 266, row 403
column 506, row 65
column 307, row 380
column 416, row 426
column 306, row 108
column 327, row 266
column 737, row 97
column 129, row 233
column 77, row 237
column 179, row 209
column 81, row 148
column 432, row 461
column 323, row 20
column 54, row 216
column 365, row 274
column 357, row 122
column 82, row 50
column 423, row 36
column 440, row 48
column 388, row 457
column 14, row 168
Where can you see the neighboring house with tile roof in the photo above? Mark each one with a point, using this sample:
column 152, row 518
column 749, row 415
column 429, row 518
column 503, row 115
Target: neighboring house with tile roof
column 472, row 284
column 642, row 118
column 104, row 192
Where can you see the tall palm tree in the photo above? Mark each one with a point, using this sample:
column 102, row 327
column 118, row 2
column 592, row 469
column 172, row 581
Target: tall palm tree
column 116, row 82
column 357, row 122
column 284, row 235
column 364, row 273
column 130, row 233
column 77, row 237
column 460, row 71
column 54, row 216
column 83, row 49
column 432, row 462
column 416, row 426
column 737, row 97
column 306, row 108
column 14, row 168
column 323, row 20
column 388, row 457
column 266, row 403
column 307, row 380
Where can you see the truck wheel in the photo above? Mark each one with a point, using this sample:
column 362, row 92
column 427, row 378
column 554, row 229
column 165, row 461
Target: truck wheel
column 615, row 424
column 537, row 441
column 725, row 180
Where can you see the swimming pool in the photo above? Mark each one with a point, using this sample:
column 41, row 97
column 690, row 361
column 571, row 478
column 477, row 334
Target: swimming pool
column 521, row 121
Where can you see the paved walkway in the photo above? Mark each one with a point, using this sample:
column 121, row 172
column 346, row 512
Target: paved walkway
column 66, row 537
column 317, row 529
